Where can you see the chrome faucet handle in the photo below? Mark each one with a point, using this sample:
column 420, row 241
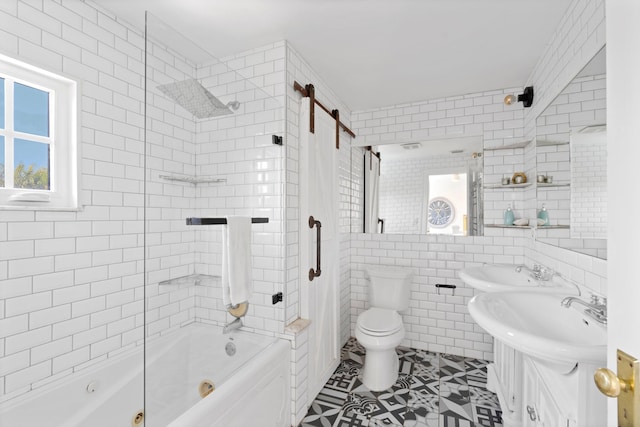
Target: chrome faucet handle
column 537, row 267
column 598, row 300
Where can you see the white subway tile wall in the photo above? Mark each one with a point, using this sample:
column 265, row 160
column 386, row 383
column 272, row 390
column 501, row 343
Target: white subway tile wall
column 434, row 321
column 71, row 282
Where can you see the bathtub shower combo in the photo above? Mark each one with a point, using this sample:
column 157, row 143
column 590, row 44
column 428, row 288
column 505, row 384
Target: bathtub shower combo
column 248, row 372
column 192, row 365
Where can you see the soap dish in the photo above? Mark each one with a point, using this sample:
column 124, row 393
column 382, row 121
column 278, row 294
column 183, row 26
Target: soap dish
column 521, row 222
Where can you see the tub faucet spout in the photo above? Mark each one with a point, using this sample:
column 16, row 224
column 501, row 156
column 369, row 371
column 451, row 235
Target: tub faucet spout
column 236, row 324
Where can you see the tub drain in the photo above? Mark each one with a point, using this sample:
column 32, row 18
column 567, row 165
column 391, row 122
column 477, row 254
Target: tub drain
column 230, row 348
column 137, row 419
column 205, row 388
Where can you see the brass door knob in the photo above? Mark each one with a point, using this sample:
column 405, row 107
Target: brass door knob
column 608, row 382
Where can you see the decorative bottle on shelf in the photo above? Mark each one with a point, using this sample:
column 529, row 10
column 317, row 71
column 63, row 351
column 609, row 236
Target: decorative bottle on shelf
column 508, row 216
column 543, row 215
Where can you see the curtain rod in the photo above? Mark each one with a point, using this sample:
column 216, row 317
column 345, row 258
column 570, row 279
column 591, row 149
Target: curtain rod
column 297, row 86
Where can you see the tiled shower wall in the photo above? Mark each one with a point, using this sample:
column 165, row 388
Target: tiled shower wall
column 170, row 151
column 72, row 282
column 239, row 148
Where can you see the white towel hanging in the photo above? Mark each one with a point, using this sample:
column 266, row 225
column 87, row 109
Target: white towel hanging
column 237, row 283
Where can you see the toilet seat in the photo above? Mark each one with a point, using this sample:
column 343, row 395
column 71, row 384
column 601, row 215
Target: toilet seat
column 379, row 322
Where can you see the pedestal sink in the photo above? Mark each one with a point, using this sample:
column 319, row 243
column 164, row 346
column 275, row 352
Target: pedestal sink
column 500, row 278
column 536, row 324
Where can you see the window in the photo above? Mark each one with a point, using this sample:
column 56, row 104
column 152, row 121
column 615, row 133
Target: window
column 38, row 138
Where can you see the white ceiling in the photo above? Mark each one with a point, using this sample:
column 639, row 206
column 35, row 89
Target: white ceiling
column 375, row 53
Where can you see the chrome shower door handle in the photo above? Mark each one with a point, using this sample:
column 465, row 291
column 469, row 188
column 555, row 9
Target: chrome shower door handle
column 313, row 223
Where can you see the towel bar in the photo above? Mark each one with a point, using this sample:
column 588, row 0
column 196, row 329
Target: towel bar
column 217, row 221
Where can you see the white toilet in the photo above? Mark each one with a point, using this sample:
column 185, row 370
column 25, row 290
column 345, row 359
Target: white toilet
column 379, row 329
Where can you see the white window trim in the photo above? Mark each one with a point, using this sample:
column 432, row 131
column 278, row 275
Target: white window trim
column 63, row 140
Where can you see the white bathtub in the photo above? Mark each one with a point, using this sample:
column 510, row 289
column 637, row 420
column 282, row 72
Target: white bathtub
column 252, row 386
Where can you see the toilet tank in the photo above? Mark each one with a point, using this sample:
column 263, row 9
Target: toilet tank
column 389, row 287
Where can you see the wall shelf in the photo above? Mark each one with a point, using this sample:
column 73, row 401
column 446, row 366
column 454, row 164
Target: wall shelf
column 193, row 179
column 549, row 143
column 553, row 227
column 521, row 144
column 506, row 226
column 500, row 186
column 545, row 185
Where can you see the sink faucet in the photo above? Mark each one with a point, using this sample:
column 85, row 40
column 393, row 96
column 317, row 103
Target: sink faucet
column 596, row 309
column 236, row 324
column 539, row 272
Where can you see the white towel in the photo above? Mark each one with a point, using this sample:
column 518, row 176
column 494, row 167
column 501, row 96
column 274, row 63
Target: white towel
column 236, row 261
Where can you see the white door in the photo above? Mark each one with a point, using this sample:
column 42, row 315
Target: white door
column 623, row 136
column 319, row 198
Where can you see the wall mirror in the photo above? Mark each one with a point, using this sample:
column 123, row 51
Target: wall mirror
column 423, row 187
column 571, row 147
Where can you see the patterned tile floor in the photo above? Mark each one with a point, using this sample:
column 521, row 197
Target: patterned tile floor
column 432, row 390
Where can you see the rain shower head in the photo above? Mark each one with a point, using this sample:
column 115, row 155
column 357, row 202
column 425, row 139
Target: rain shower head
column 197, row 100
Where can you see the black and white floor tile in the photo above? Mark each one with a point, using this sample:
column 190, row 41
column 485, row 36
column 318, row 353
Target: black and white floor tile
column 432, row 390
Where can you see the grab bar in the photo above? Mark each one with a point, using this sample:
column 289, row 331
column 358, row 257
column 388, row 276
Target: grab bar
column 315, row 273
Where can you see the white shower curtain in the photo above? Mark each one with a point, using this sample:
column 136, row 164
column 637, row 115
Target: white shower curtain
column 371, row 192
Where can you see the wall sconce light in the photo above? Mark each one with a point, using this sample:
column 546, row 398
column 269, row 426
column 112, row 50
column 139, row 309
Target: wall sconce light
column 526, row 98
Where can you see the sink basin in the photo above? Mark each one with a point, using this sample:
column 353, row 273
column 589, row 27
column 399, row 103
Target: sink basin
column 501, row 278
column 536, row 324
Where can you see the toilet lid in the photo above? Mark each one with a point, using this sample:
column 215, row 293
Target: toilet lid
column 379, row 320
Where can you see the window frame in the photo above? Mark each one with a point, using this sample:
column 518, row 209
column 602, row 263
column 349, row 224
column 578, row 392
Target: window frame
column 62, row 140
